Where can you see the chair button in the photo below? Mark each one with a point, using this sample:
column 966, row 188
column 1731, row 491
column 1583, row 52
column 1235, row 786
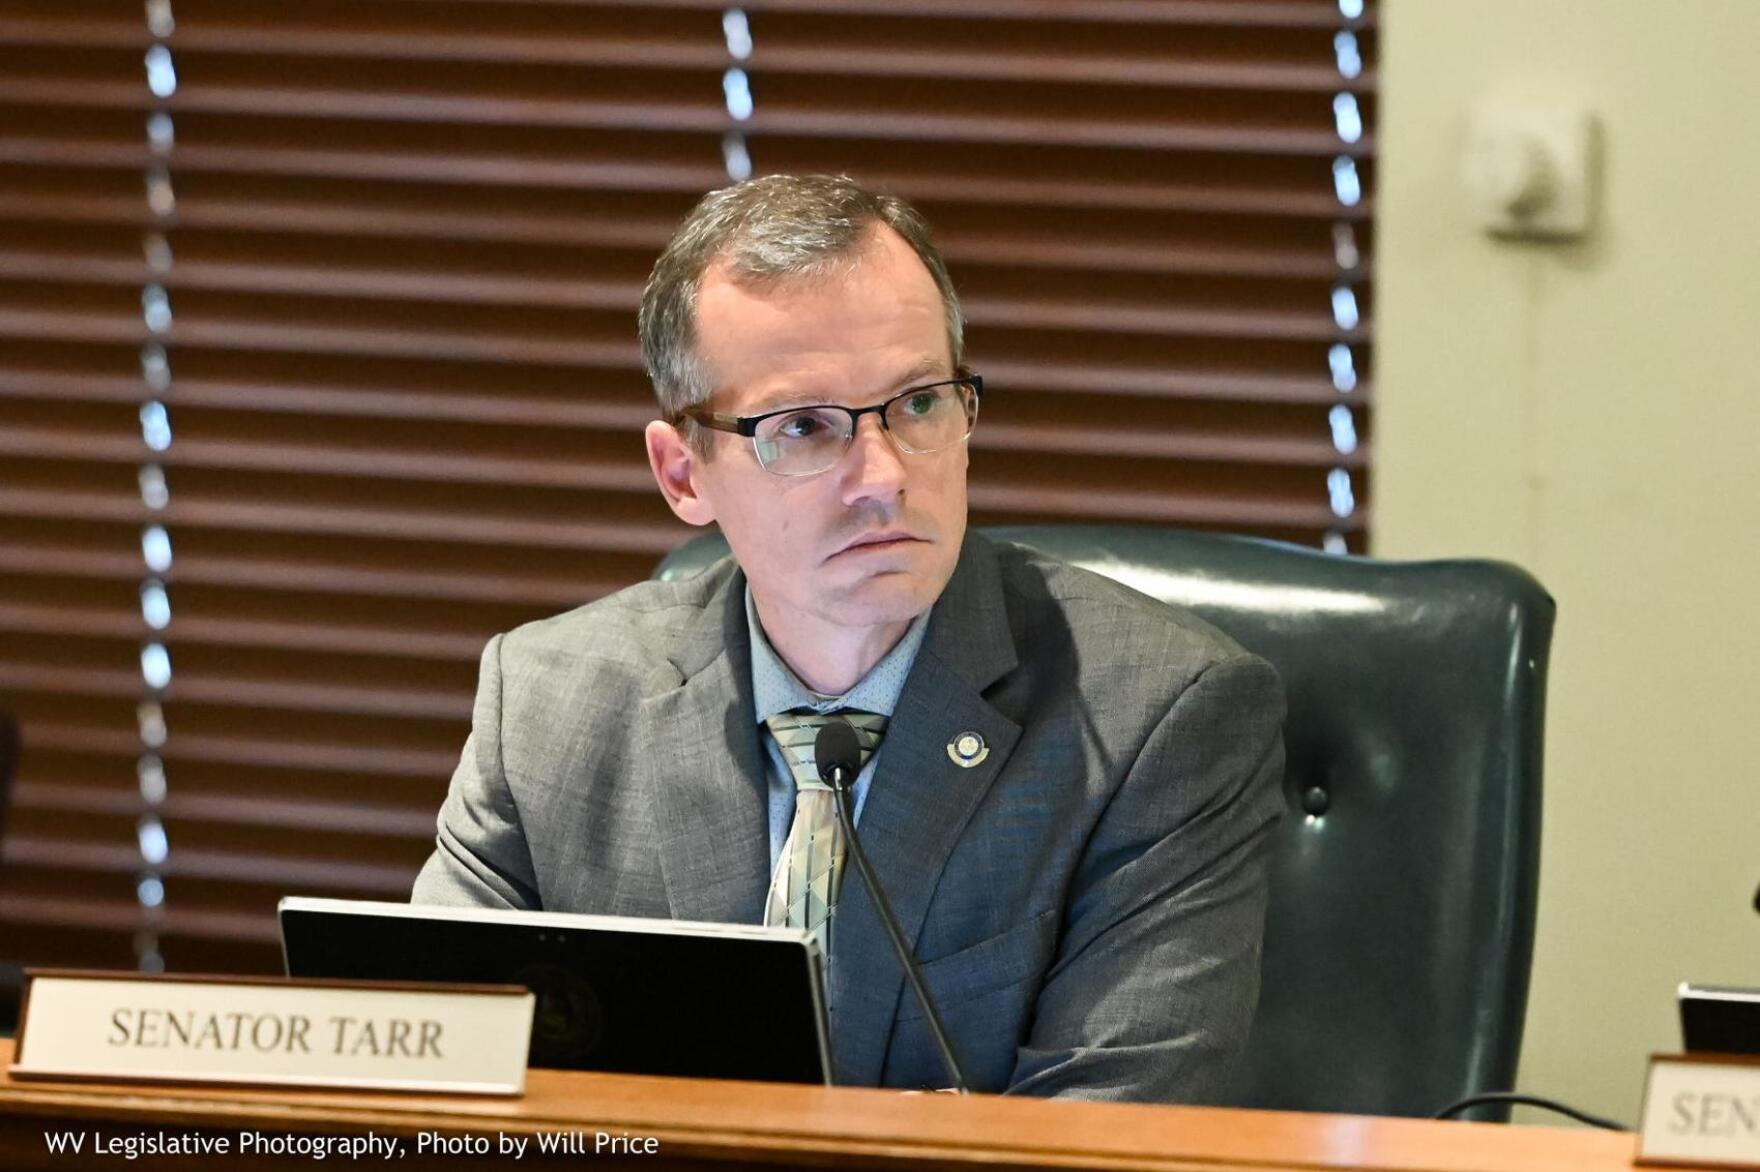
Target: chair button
column 1316, row 800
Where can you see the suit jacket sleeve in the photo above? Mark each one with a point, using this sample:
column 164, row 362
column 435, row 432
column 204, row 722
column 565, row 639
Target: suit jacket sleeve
column 1156, row 977
column 480, row 855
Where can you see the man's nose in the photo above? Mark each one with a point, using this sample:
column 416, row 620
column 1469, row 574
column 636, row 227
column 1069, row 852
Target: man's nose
column 874, row 467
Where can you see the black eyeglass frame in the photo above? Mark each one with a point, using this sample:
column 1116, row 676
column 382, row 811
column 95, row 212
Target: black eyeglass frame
column 747, row 425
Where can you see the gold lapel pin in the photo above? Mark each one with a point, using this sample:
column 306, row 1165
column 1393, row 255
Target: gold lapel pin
column 967, row 749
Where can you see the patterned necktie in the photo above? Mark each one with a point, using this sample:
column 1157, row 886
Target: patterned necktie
column 804, row 889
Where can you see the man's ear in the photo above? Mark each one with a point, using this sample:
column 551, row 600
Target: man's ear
column 674, row 464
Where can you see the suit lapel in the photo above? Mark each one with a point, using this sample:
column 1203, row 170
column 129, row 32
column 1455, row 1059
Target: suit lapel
column 705, row 771
column 920, row 801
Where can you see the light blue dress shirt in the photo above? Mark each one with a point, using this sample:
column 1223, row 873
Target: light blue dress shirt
column 775, row 688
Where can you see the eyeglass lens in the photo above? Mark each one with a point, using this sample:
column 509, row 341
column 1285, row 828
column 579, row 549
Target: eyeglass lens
column 812, row 439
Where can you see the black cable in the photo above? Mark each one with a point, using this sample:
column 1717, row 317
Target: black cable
column 1520, row 1100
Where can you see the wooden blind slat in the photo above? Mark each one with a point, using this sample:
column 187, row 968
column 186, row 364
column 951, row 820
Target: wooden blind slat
column 330, row 817
column 1047, row 64
column 490, row 406
column 1248, row 13
column 802, row 116
column 114, row 918
column 1118, row 189
column 633, row 476
column 384, row 880
column 221, row 259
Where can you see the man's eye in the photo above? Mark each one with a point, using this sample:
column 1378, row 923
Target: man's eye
column 803, row 426
column 922, row 403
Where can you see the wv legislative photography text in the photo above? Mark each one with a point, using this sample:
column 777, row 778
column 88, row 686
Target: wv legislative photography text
column 161, row 1144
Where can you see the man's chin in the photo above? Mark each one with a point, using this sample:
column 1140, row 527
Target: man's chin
column 891, row 596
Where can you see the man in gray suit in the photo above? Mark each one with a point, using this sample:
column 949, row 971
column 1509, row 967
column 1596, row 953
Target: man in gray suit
column 1068, row 788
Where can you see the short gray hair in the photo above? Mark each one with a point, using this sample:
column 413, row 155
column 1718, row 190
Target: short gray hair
column 780, row 227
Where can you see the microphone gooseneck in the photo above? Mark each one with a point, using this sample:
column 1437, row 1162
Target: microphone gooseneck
column 838, row 755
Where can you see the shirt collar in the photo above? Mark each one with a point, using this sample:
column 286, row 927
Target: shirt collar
column 776, row 689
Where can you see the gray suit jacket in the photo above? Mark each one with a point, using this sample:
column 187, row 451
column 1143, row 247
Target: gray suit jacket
column 1087, row 902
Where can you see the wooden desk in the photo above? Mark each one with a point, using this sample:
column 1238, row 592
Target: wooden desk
column 702, row 1124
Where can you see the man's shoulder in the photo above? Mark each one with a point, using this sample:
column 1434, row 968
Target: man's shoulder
column 1102, row 616
column 639, row 626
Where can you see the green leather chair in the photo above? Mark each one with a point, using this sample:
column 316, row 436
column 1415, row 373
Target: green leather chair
column 1403, row 880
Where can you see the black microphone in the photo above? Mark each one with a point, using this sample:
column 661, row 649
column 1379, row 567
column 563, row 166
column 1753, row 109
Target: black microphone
column 838, row 756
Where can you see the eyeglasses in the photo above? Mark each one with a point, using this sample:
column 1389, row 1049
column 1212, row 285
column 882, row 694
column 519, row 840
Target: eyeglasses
column 801, row 441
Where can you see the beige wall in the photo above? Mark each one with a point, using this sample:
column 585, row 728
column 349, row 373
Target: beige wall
column 1592, row 412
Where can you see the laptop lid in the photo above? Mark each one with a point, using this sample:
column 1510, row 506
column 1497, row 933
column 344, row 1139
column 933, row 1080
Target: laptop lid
column 615, row 993
column 1719, row 1020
